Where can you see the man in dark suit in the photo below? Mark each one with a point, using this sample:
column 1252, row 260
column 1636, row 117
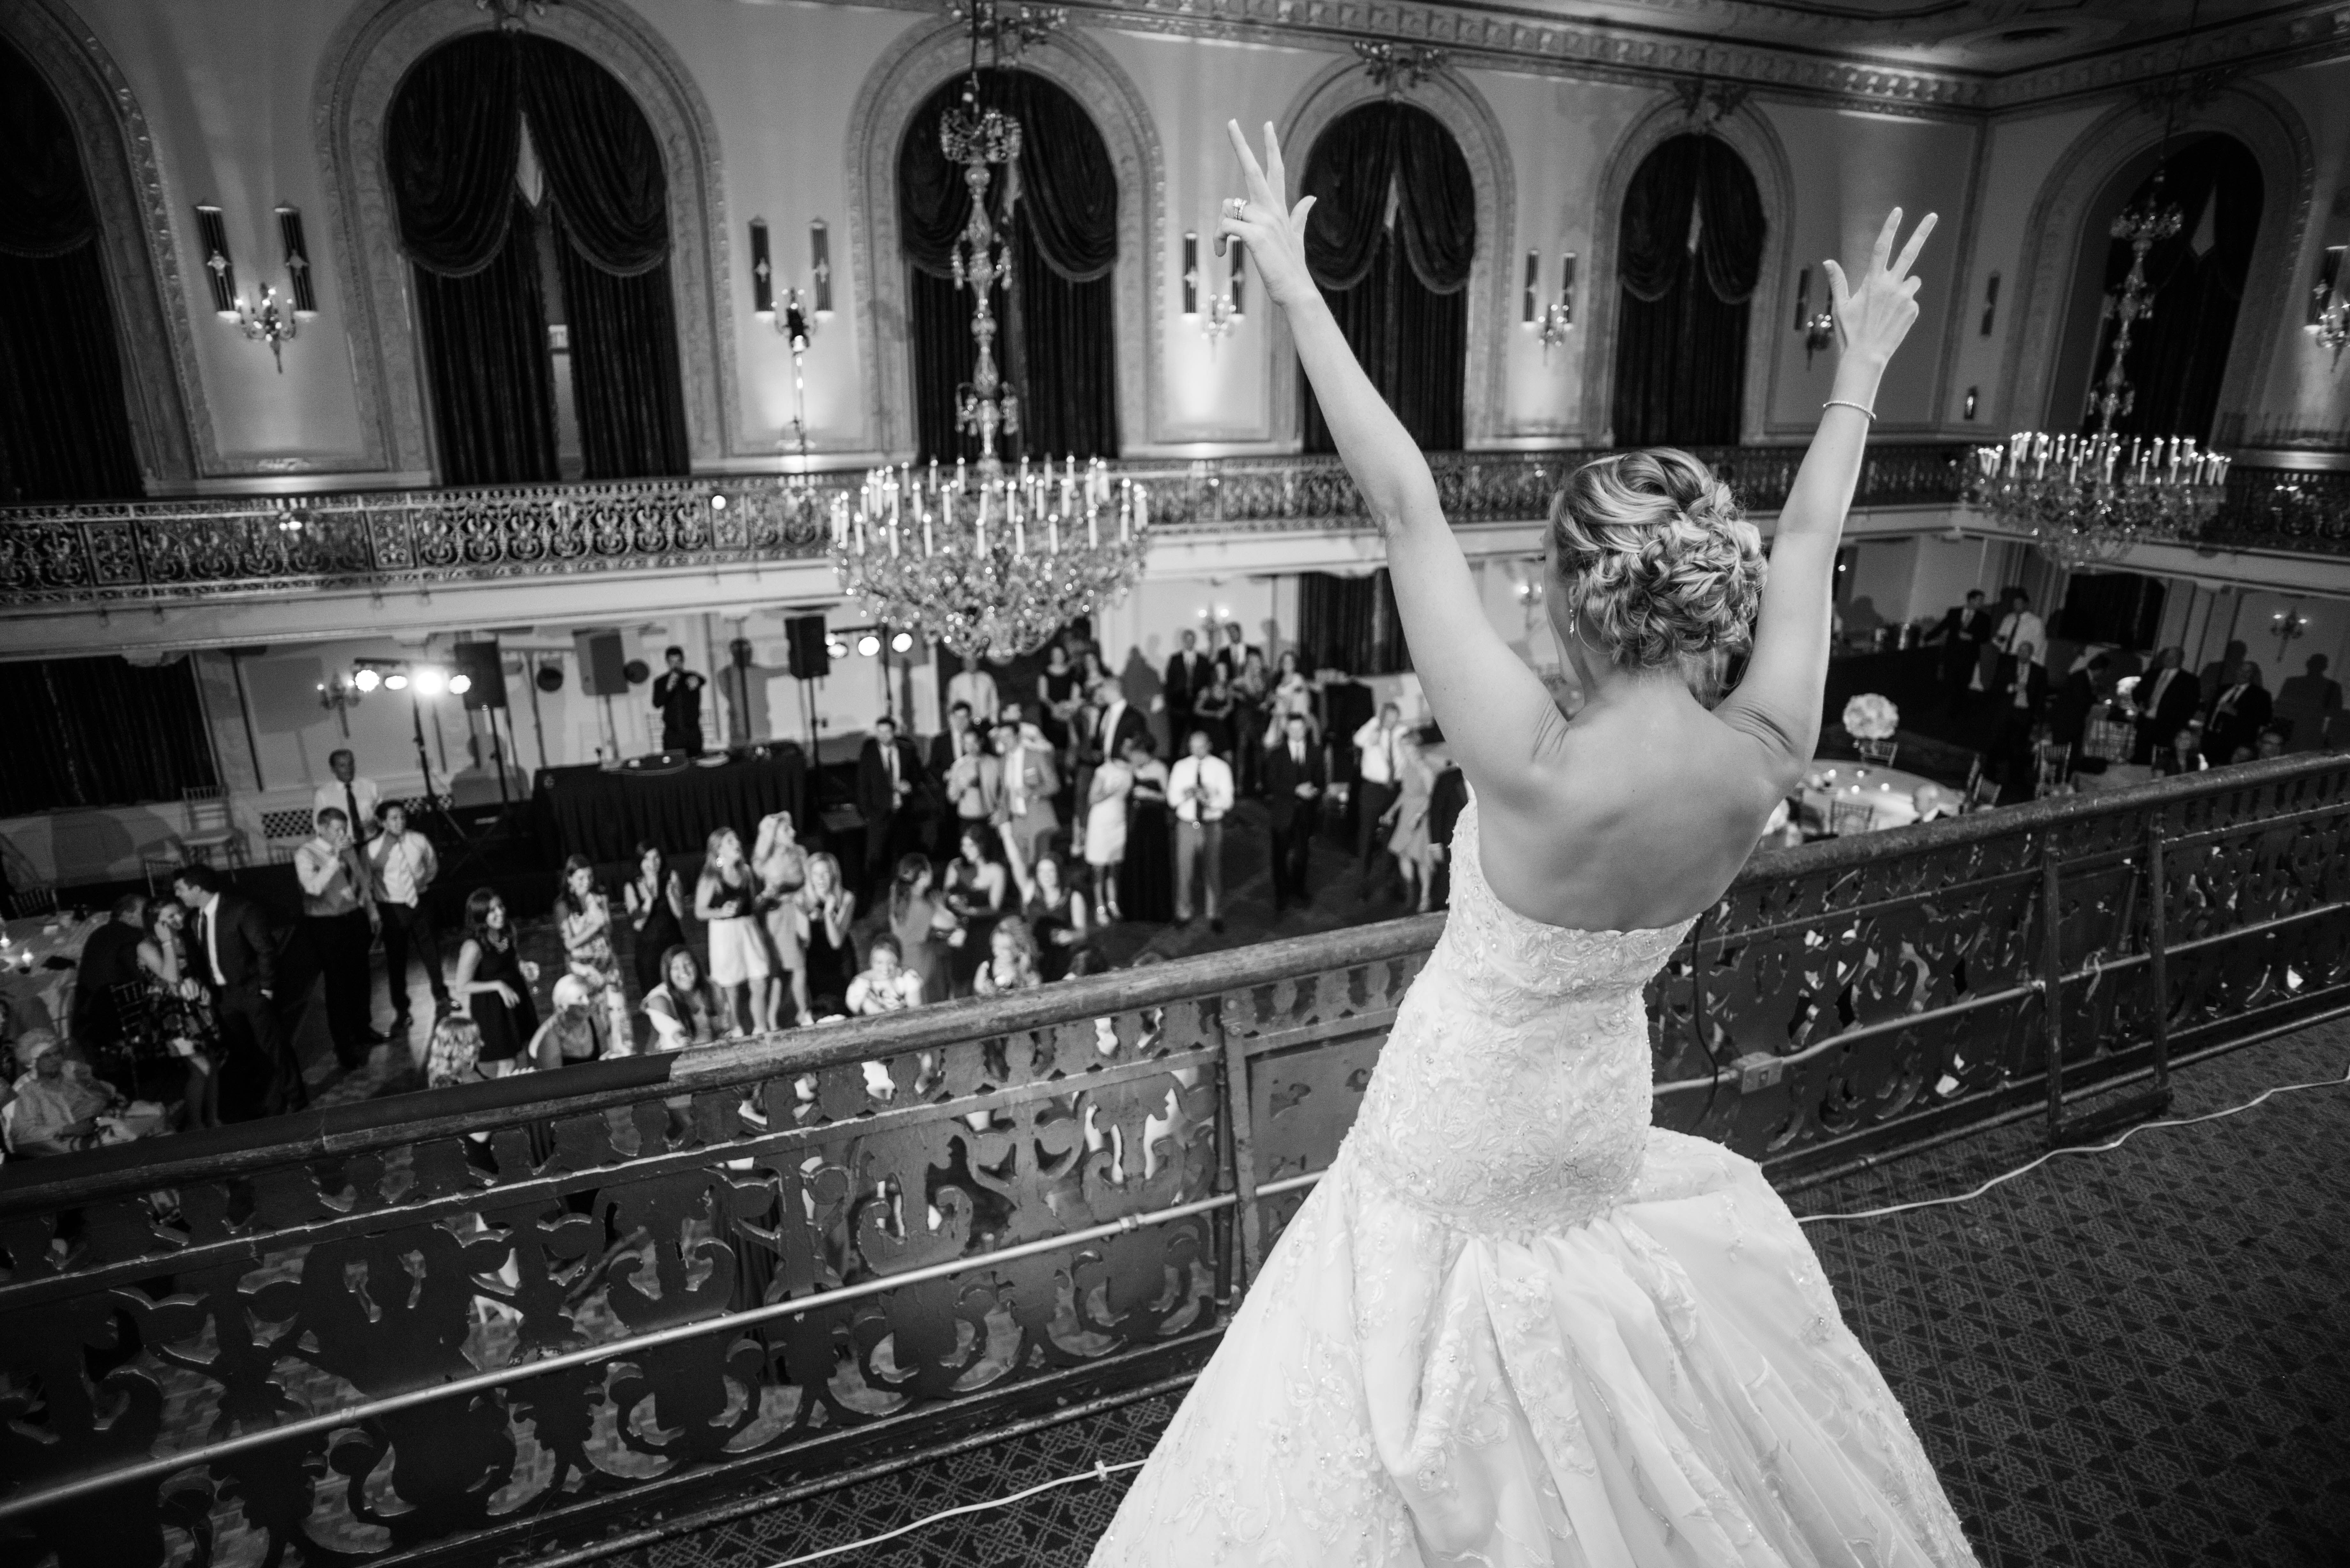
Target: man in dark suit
column 2068, row 713
column 1446, row 801
column 2218, row 676
column 1961, row 632
column 2238, row 715
column 889, row 774
column 235, row 954
column 1294, row 778
column 947, row 746
column 2167, row 699
column 1187, row 677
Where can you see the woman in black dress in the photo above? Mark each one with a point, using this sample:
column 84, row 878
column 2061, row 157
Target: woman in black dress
column 1056, row 696
column 656, row 904
column 493, row 983
column 1146, row 878
column 831, row 960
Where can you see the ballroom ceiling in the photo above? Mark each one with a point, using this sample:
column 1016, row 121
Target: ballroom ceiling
column 1990, row 35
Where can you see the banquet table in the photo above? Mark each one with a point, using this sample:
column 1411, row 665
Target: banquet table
column 32, row 994
column 601, row 813
column 1894, row 798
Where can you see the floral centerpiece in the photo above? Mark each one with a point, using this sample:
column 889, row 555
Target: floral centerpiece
column 1872, row 721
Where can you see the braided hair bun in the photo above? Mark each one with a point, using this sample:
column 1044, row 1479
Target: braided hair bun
column 1657, row 559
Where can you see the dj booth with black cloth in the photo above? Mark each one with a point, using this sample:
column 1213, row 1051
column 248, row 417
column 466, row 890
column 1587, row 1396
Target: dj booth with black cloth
column 602, row 813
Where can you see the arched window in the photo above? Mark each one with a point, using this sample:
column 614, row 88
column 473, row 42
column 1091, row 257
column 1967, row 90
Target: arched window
column 1054, row 342
column 65, row 429
column 2179, row 354
column 1689, row 253
column 1393, row 231
column 535, row 209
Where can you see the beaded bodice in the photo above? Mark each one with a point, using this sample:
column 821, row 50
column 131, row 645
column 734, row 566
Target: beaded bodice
column 1513, row 1094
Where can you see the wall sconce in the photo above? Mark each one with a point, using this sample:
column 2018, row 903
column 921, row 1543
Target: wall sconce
column 1818, row 331
column 1223, row 311
column 2329, row 312
column 1990, row 304
column 1556, row 320
column 272, row 321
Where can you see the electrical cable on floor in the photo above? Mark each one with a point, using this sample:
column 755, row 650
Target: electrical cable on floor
column 2084, row 1148
column 1100, row 1472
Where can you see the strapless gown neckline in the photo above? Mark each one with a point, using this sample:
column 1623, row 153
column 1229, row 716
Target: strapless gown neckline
column 1515, row 1324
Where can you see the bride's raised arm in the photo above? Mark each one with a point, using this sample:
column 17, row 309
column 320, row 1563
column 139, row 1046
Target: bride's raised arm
column 1778, row 701
column 1495, row 713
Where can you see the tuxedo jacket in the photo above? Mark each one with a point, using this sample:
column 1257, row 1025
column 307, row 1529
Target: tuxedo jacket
column 1131, row 722
column 874, row 800
column 248, row 949
column 1282, row 777
column 1187, row 677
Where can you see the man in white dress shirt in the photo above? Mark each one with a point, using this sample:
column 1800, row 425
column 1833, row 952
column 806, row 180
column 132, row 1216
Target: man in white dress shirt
column 339, row 912
column 1375, row 783
column 404, row 864
column 1199, row 788
column 356, row 797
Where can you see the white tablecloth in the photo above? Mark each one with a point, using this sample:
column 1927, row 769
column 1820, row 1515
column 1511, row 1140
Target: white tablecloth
column 1894, row 798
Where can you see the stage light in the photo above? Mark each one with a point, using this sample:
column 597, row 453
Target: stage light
column 395, row 681
column 430, row 681
column 460, row 684
column 902, row 643
column 366, row 680
column 835, row 648
column 869, row 645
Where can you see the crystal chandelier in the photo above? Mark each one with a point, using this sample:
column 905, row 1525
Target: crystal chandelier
column 2086, row 500
column 990, row 562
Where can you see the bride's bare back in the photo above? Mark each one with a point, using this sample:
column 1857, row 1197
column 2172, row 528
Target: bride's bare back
column 1639, row 811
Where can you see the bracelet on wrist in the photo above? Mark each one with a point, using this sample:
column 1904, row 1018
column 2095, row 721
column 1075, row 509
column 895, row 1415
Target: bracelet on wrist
column 1861, row 408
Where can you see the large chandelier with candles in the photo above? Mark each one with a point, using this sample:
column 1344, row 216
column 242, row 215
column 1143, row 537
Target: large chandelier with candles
column 990, row 563
column 2086, row 500
column 990, row 559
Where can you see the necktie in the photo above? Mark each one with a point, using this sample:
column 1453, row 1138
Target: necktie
column 891, row 752
column 351, row 805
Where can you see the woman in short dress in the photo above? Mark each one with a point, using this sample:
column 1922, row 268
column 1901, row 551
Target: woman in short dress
column 782, row 865
column 583, row 916
column 493, row 984
column 656, row 908
column 1109, row 797
column 1409, row 842
column 722, row 901
column 828, row 909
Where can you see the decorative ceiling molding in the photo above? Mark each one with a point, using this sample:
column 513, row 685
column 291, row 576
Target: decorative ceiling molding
column 1603, row 51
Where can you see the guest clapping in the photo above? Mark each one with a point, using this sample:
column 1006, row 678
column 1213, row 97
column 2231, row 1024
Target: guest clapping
column 723, row 900
column 656, row 908
column 829, row 908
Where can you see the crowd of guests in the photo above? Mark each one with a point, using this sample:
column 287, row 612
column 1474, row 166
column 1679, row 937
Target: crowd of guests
column 2111, row 706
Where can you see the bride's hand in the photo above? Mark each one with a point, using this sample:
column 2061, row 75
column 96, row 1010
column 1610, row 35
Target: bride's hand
column 1276, row 235
column 1872, row 320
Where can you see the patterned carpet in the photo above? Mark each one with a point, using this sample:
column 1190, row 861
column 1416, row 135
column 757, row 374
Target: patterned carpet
column 2136, row 1357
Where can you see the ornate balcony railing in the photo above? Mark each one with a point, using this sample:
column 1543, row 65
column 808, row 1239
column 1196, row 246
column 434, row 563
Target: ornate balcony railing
column 488, row 1322
column 153, row 550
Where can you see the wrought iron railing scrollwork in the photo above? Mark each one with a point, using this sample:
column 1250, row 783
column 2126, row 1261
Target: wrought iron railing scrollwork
column 391, row 539
column 339, row 1332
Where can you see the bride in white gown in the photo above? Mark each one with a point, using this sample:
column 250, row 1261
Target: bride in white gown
column 1513, row 1324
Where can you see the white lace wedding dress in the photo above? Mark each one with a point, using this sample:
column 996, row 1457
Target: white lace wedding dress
column 1515, row 1324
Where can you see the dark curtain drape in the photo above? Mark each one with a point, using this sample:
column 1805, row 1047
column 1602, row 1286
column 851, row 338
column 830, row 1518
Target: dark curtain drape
column 1390, row 242
column 99, row 732
column 2179, row 354
column 452, row 143
column 1688, row 253
column 64, row 428
column 1351, row 623
column 1055, row 340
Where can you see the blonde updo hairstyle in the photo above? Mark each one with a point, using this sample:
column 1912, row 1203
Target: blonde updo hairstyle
column 1658, row 566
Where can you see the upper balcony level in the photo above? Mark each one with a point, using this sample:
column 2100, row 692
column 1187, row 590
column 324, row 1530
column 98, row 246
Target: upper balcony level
column 230, row 570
